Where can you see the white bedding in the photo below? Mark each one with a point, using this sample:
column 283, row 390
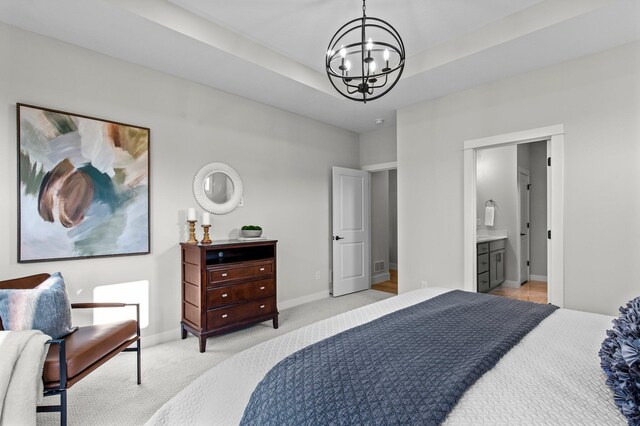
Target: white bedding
column 552, row 376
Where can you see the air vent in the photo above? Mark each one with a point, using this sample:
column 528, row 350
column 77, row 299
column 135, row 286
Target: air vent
column 378, row 266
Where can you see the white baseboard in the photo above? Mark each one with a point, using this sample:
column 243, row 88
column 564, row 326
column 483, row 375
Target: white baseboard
column 380, row 278
column 286, row 304
column 512, row 284
column 169, row 335
column 393, row 266
column 538, row 278
column 156, row 339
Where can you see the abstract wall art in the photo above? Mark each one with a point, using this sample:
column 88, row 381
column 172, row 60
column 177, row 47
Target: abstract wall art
column 83, row 186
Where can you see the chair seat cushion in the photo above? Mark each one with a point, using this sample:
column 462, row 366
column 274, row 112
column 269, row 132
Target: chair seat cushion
column 86, row 346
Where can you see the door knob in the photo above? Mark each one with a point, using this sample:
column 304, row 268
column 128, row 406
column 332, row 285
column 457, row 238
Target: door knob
column 337, row 237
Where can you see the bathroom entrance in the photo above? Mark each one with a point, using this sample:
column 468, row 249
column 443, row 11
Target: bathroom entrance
column 511, row 192
column 513, row 197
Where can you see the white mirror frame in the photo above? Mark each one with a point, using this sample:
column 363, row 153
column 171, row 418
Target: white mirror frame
column 204, row 201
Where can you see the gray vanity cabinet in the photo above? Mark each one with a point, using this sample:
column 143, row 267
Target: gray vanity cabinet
column 496, row 273
column 490, row 265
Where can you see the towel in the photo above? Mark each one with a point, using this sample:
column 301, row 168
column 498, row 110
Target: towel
column 23, row 354
column 489, row 212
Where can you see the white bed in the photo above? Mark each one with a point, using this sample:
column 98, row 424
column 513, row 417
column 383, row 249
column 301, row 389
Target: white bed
column 552, row 376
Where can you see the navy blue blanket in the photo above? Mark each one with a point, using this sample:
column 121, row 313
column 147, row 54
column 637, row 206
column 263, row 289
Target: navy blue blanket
column 408, row 367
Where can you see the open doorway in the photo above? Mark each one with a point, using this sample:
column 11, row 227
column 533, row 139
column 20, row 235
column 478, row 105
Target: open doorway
column 476, row 213
column 511, row 192
column 384, row 230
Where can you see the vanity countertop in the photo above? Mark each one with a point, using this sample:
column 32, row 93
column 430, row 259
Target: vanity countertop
column 488, row 238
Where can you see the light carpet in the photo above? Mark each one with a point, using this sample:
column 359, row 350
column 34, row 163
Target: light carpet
column 110, row 396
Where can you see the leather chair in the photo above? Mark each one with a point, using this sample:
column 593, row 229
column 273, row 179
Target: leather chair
column 73, row 357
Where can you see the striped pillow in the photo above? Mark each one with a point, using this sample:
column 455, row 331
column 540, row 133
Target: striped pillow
column 44, row 308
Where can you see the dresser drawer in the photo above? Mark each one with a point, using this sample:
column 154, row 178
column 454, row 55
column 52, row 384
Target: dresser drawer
column 222, row 275
column 229, row 295
column 483, row 248
column 231, row 314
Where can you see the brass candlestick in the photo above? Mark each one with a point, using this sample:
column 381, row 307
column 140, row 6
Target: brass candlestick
column 192, row 232
column 205, row 238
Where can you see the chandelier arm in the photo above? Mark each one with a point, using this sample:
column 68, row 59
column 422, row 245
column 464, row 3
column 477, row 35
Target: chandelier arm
column 381, row 85
column 349, row 85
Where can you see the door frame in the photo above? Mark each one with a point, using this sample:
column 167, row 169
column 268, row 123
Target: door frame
column 554, row 135
column 372, row 168
column 522, row 170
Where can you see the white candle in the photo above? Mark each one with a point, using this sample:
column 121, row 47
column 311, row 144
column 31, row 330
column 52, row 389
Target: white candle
column 206, row 219
column 191, row 214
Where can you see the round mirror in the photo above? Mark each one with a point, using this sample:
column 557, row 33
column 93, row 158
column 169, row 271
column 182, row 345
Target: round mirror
column 218, row 188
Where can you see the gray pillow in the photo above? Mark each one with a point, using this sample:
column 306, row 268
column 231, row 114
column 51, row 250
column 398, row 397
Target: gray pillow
column 45, row 308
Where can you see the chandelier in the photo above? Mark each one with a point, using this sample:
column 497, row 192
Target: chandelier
column 365, row 58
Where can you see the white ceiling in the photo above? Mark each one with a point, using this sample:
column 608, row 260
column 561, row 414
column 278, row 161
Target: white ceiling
column 301, row 29
column 273, row 51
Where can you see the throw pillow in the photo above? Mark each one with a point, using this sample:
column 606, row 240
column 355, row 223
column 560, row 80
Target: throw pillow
column 620, row 360
column 44, row 308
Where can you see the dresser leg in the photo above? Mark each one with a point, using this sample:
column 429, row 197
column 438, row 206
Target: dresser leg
column 275, row 322
column 203, row 344
column 184, row 331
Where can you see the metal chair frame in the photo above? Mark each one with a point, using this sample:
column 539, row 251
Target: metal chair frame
column 61, row 390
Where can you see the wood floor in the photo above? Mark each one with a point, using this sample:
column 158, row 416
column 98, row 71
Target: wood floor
column 531, row 291
column 390, row 286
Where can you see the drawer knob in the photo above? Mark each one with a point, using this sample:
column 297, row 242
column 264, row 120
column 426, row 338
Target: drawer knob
column 224, row 275
column 262, row 269
column 262, row 288
column 225, row 295
column 261, row 306
column 224, row 315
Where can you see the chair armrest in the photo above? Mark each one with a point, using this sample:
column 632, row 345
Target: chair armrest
column 62, row 355
column 110, row 305
column 97, row 305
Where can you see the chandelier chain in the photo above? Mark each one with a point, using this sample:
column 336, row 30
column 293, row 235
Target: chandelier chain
column 364, row 8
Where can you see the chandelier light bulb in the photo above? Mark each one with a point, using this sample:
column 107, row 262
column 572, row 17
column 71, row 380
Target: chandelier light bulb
column 372, row 67
column 343, row 52
column 369, row 44
column 347, row 65
column 385, row 55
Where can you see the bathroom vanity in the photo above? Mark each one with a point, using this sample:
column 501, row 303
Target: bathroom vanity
column 490, row 262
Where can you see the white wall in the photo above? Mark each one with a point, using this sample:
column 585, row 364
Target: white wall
column 378, row 146
column 393, row 218
column 538, row 210
column 380, row 223
column 597, row 98
column 284, row 160
column 496, row 179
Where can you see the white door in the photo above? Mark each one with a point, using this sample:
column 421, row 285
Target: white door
column 350, row 231
column 523, row 190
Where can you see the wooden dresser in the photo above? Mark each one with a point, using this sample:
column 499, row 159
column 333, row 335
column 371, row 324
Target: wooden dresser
column 226, row 286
